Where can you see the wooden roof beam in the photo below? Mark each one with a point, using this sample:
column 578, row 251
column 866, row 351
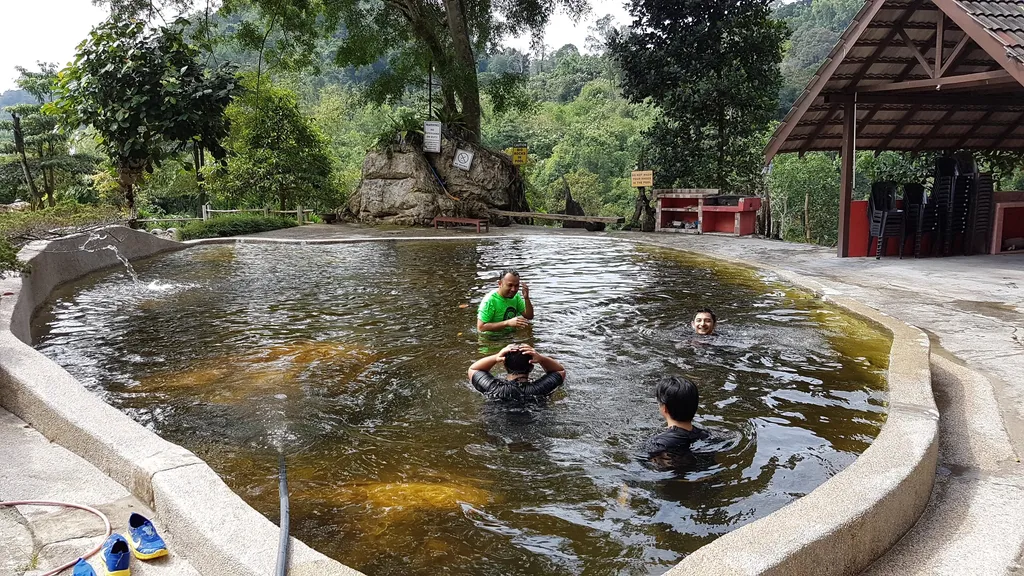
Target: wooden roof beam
column 846, row 42
column 986, row 41
column 938, row 126
column 957, row 51
column 917, row 53
column 1009, row 130
column 966, row 100
column 974, row 80
column 981, row 122
column 832, row 113
column 899, row 127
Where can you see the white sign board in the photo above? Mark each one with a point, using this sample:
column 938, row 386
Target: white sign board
column 463, row 159
column 431, row 136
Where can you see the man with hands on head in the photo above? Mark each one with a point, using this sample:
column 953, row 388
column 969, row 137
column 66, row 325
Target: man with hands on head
column 508, row 306
column 519, row 360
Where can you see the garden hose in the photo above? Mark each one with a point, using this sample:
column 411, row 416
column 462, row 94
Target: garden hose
column 106, row 525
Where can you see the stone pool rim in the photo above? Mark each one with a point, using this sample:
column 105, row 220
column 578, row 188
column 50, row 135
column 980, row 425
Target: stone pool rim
column 840, row 527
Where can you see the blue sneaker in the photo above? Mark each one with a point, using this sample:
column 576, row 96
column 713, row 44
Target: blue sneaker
column 116, row 556
column 145, row 542
column 82, row 568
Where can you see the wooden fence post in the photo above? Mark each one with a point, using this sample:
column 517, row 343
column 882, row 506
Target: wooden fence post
column 266, row 212
column 298, row 213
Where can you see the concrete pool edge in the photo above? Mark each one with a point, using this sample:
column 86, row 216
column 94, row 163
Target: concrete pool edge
column 884, row 490
column 201, row 517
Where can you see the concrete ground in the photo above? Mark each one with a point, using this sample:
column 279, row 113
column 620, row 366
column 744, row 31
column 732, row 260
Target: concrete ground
column 973, row 308
column 36, row 539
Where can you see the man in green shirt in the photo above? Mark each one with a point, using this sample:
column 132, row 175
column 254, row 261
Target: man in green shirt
column 507, row 307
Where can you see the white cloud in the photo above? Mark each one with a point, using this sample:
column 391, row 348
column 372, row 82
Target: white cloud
column 42, row 31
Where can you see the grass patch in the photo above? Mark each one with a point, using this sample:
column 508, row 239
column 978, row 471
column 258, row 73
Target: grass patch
column 233, row 225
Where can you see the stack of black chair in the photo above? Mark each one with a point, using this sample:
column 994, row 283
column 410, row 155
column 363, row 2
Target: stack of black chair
column 959, row 207
column 884, row 219
column 982, row 204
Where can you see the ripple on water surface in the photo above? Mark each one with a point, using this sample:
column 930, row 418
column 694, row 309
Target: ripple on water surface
column 353, row 357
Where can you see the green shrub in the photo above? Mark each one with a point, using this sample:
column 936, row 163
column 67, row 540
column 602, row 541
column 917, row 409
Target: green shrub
column 222, row 226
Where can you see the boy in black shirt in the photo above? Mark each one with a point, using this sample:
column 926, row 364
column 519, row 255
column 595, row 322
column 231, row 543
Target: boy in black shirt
column 519, row 360
column 677, row 402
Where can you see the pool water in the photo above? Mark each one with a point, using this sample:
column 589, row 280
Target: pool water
column 352, row 359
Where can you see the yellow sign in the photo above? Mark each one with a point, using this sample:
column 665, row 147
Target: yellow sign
column 519, row 155
column 641, row 178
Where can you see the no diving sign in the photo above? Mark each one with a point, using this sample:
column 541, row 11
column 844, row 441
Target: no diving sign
column 463, row 159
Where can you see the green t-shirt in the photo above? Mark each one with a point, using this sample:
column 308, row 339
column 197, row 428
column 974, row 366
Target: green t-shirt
column 495, row 308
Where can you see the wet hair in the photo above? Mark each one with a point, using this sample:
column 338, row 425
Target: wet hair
column 508, row 271
column 680, row 397
column 714, row 319
column 517, row 363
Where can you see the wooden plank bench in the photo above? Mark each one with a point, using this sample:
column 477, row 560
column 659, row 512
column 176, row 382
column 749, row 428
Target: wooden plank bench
column 561, row 217
column 446, row 220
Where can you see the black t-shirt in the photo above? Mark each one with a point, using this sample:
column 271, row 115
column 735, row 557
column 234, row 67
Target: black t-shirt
column 514, row 390
column 670, row 449
column 675, row 439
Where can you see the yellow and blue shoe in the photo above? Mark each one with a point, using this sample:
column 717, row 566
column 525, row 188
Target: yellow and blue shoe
column 116, row 556
column 145, row 542
column 82, row 568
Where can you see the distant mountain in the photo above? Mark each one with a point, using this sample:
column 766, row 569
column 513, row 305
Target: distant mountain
column 12, row 97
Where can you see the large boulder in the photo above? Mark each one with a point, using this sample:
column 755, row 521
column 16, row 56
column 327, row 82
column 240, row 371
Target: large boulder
column 404, row 185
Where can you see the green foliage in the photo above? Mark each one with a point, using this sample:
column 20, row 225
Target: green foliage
column 145, row 93
column 592, row 141
column 711, row 67
column 37, row 147
column 277, row 154
column 349, row 125
column 811, row 182
column 232, row 225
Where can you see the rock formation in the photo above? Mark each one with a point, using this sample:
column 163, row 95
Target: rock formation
column 404, row 185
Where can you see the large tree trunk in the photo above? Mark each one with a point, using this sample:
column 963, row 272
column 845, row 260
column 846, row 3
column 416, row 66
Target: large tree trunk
column 198, row 161
column 19, row 147
column 467, row 85
column 129, row 171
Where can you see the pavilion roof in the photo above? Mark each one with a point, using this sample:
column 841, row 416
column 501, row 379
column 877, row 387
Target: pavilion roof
column 970, row 97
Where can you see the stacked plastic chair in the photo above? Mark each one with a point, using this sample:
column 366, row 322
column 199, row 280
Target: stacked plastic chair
column 982, row 205
column 884, row 219
column 957, row 215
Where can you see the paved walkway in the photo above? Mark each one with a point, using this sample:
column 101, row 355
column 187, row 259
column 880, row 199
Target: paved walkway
column 36, row 539
column 973, row 308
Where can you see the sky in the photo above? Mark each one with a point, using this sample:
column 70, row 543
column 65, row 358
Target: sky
column 50, row 30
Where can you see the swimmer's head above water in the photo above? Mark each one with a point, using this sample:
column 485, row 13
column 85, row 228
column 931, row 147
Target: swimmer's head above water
column 518, row 362
column 508, row 283
column 704, row 322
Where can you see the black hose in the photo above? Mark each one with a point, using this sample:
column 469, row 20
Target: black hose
column 282, row 546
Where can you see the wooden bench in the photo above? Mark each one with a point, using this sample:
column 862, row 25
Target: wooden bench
column 446, row 220
column 561, row 217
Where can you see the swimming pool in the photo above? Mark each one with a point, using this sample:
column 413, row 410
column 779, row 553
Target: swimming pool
column 353, row 358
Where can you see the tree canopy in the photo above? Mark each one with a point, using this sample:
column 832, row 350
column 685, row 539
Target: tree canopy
column 712, row 68
column 145, row 93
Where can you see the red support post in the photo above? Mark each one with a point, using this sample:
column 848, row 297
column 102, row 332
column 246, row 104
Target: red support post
column 846, row 186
